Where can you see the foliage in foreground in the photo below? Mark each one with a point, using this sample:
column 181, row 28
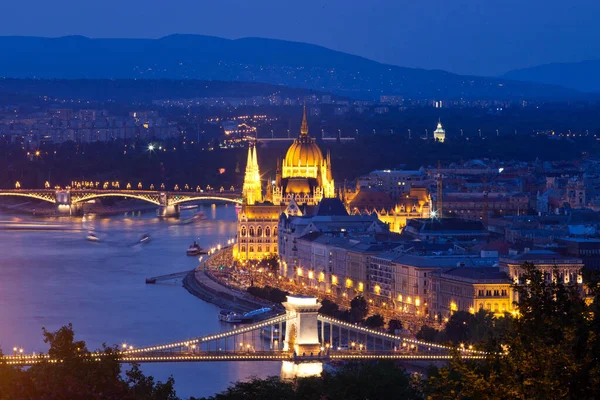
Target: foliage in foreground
column 551, row 351
column 79, row 376
column 354, row 381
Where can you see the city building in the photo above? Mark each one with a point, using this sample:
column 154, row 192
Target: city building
column 416, row 204
column 470, row 289
column 552, row 266
column 303, row 179
column 436, row 229
column 439, row 134
column 587, row 249
column 396, row 183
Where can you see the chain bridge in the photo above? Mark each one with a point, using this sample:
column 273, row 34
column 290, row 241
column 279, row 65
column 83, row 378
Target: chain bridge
column 301, row 338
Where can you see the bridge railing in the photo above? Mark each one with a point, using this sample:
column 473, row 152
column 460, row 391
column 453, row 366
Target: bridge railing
column 388, row 336
column 199, row 340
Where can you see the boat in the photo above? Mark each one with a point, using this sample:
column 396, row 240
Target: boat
column 195, row 250
column 188, row 206
column 230, row 317
column 256, row 314
column 145, row 238
column 196, row 217
column 92, row 238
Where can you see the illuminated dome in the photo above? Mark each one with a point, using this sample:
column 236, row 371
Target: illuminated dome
column 304, row 152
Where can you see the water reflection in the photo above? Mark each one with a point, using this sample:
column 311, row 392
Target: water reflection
column 53, row 277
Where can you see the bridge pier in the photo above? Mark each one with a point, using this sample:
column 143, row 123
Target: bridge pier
column 301, row 329
column 168, row 211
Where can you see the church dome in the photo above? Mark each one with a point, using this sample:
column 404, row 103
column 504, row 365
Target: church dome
column 304, row 152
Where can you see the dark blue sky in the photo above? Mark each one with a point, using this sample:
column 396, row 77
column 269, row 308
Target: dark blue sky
column 485, row 37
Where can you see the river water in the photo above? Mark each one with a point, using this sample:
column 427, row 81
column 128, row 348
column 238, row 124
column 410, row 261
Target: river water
column 49, row 278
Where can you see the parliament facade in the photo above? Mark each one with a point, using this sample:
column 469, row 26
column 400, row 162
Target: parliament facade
column 303, row 178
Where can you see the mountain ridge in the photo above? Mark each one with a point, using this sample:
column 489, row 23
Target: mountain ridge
column 581, row 75
column 272, row 61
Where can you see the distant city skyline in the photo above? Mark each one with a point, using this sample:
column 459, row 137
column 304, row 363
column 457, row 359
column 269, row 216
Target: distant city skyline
column 466, row 37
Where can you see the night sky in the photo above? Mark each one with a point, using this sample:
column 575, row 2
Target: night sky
column 483, row 37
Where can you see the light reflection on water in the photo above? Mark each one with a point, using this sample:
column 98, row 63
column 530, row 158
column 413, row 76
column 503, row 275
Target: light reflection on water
column 53, row 277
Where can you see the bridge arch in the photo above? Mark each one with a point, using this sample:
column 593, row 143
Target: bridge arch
column 45, row 196
column 80, row 198
column 184, row 199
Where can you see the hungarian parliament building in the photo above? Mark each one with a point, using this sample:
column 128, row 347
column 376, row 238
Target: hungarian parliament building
column 303, row 180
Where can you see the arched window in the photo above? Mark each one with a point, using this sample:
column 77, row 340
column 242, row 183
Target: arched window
column 251, row 230
column 243, row 249
column 267, row 231
column 275, row 231
column 251, row 249
column 259, row 231
column 260, row 249
column 243, row 231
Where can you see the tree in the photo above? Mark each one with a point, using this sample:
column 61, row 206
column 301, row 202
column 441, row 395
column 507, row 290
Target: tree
column 394, row 325
column 353, row 381
column 550, row 350
column 428, row 334
column 358, row 309
column 271, row 263
column 374, row 321
column 328, row 307
column 79, row 375
column 257, row 389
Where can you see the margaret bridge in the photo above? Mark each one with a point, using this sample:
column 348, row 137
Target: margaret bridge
column 301, row 338
column 70, row 201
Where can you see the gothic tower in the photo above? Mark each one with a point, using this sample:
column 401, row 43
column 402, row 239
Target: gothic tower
column 252, row 192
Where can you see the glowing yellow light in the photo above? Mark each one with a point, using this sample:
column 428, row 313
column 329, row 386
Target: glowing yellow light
column 377, row 289
column 311, row 275
column 334, row 280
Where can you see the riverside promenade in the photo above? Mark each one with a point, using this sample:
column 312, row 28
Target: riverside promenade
column 203, row 284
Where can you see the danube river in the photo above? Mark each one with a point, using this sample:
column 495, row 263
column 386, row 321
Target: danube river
column 49, row 278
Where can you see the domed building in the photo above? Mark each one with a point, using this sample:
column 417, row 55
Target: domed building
column 303, row 179
column 304, row 175
column 440, row 133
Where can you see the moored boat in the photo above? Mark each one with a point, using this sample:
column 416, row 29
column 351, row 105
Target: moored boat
column 195, row 250
column 230, row 317
column 256, row 315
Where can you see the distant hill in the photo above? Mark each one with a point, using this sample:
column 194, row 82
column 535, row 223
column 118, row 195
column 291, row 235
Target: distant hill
column 249, row 60
column 583, row 76
column 137, row 90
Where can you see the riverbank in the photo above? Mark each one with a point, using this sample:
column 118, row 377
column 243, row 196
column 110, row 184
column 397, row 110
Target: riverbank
column 203, row 285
